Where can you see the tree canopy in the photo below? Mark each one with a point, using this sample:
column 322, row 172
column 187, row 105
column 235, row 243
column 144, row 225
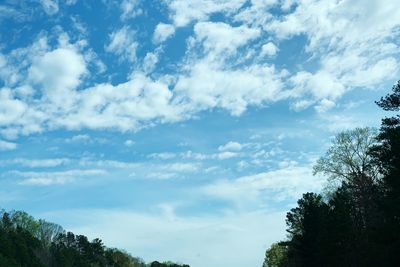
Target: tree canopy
column 26, row 242
column 358, row 223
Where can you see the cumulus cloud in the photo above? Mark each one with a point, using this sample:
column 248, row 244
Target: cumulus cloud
column 150, row 61
column 124, row 106
column 231, row 146
column 269, row 49
column 221, row 69
column 207, row 86
column 162, row 32
column 123, row 44
column 58, row 73
column 50, row 6
column 130, row 9
column 218, row 37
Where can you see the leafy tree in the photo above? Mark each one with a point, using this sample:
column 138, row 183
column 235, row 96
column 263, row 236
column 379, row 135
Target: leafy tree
column 26, row 242
column 276, row 255
column 348, row 159
column 26, row 222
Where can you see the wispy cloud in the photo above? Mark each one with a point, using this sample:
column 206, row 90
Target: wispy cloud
column 5, row 145
column 55, row 178
column 199, row 237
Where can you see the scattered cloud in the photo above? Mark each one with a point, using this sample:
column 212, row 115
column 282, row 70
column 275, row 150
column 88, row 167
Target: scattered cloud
column 78, row 138
column 55, row 178
column 36, row 163
column 231, row 146
column 163, row 155
column 162, row 32
column 269, row 49
column 129, row 143
column 50, row 6
column 184, row 12
column 123, row 44
column 130, row 9
column 5, row 145
column 57, row 73
column 287, row 183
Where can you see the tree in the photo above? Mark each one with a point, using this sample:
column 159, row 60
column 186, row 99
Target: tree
column 276, row 255
column 305, row 225
column 48, row 231
column 348, row 159
column 26, row 222
column 391, row 102
column 387, row 157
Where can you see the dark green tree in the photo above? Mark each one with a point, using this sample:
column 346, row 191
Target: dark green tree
column 387, row 156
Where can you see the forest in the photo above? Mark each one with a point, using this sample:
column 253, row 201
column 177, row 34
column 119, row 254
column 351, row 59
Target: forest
column 26, row 242
column 355, row 221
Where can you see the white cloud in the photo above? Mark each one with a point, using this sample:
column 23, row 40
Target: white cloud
column 218, row 37
column 285, row 184
column 226, row 155
column 322, row 85
column 129, row 143
column 44, row 85
column 162, row 32
column 351, row 40
column 180, row 167
column 163, row 155
column 124, row 106
column 269, row 49
column 50, row 6
column 324, row 105
column 58, row 73
column 231, row 146
column 301, row 104
column 56, row 178
column 150, row 61
column 78, row 138
column 130, row 9
column 123, row 44
column 185, row 11
column 11, row 109
column 36, row 163
column 207, row 86
column 5, row 145
column 71, row 2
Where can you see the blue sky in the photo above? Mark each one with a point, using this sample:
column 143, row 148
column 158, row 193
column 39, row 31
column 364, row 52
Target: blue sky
column 183, row 129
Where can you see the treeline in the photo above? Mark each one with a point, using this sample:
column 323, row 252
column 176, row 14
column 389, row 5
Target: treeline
column 357, row 222
column 26, row 242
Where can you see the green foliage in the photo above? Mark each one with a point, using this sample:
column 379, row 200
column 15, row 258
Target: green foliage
column 359, row 223
column 26, row 242
column 166, row 264
column 348, row 158
column 276, row 255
